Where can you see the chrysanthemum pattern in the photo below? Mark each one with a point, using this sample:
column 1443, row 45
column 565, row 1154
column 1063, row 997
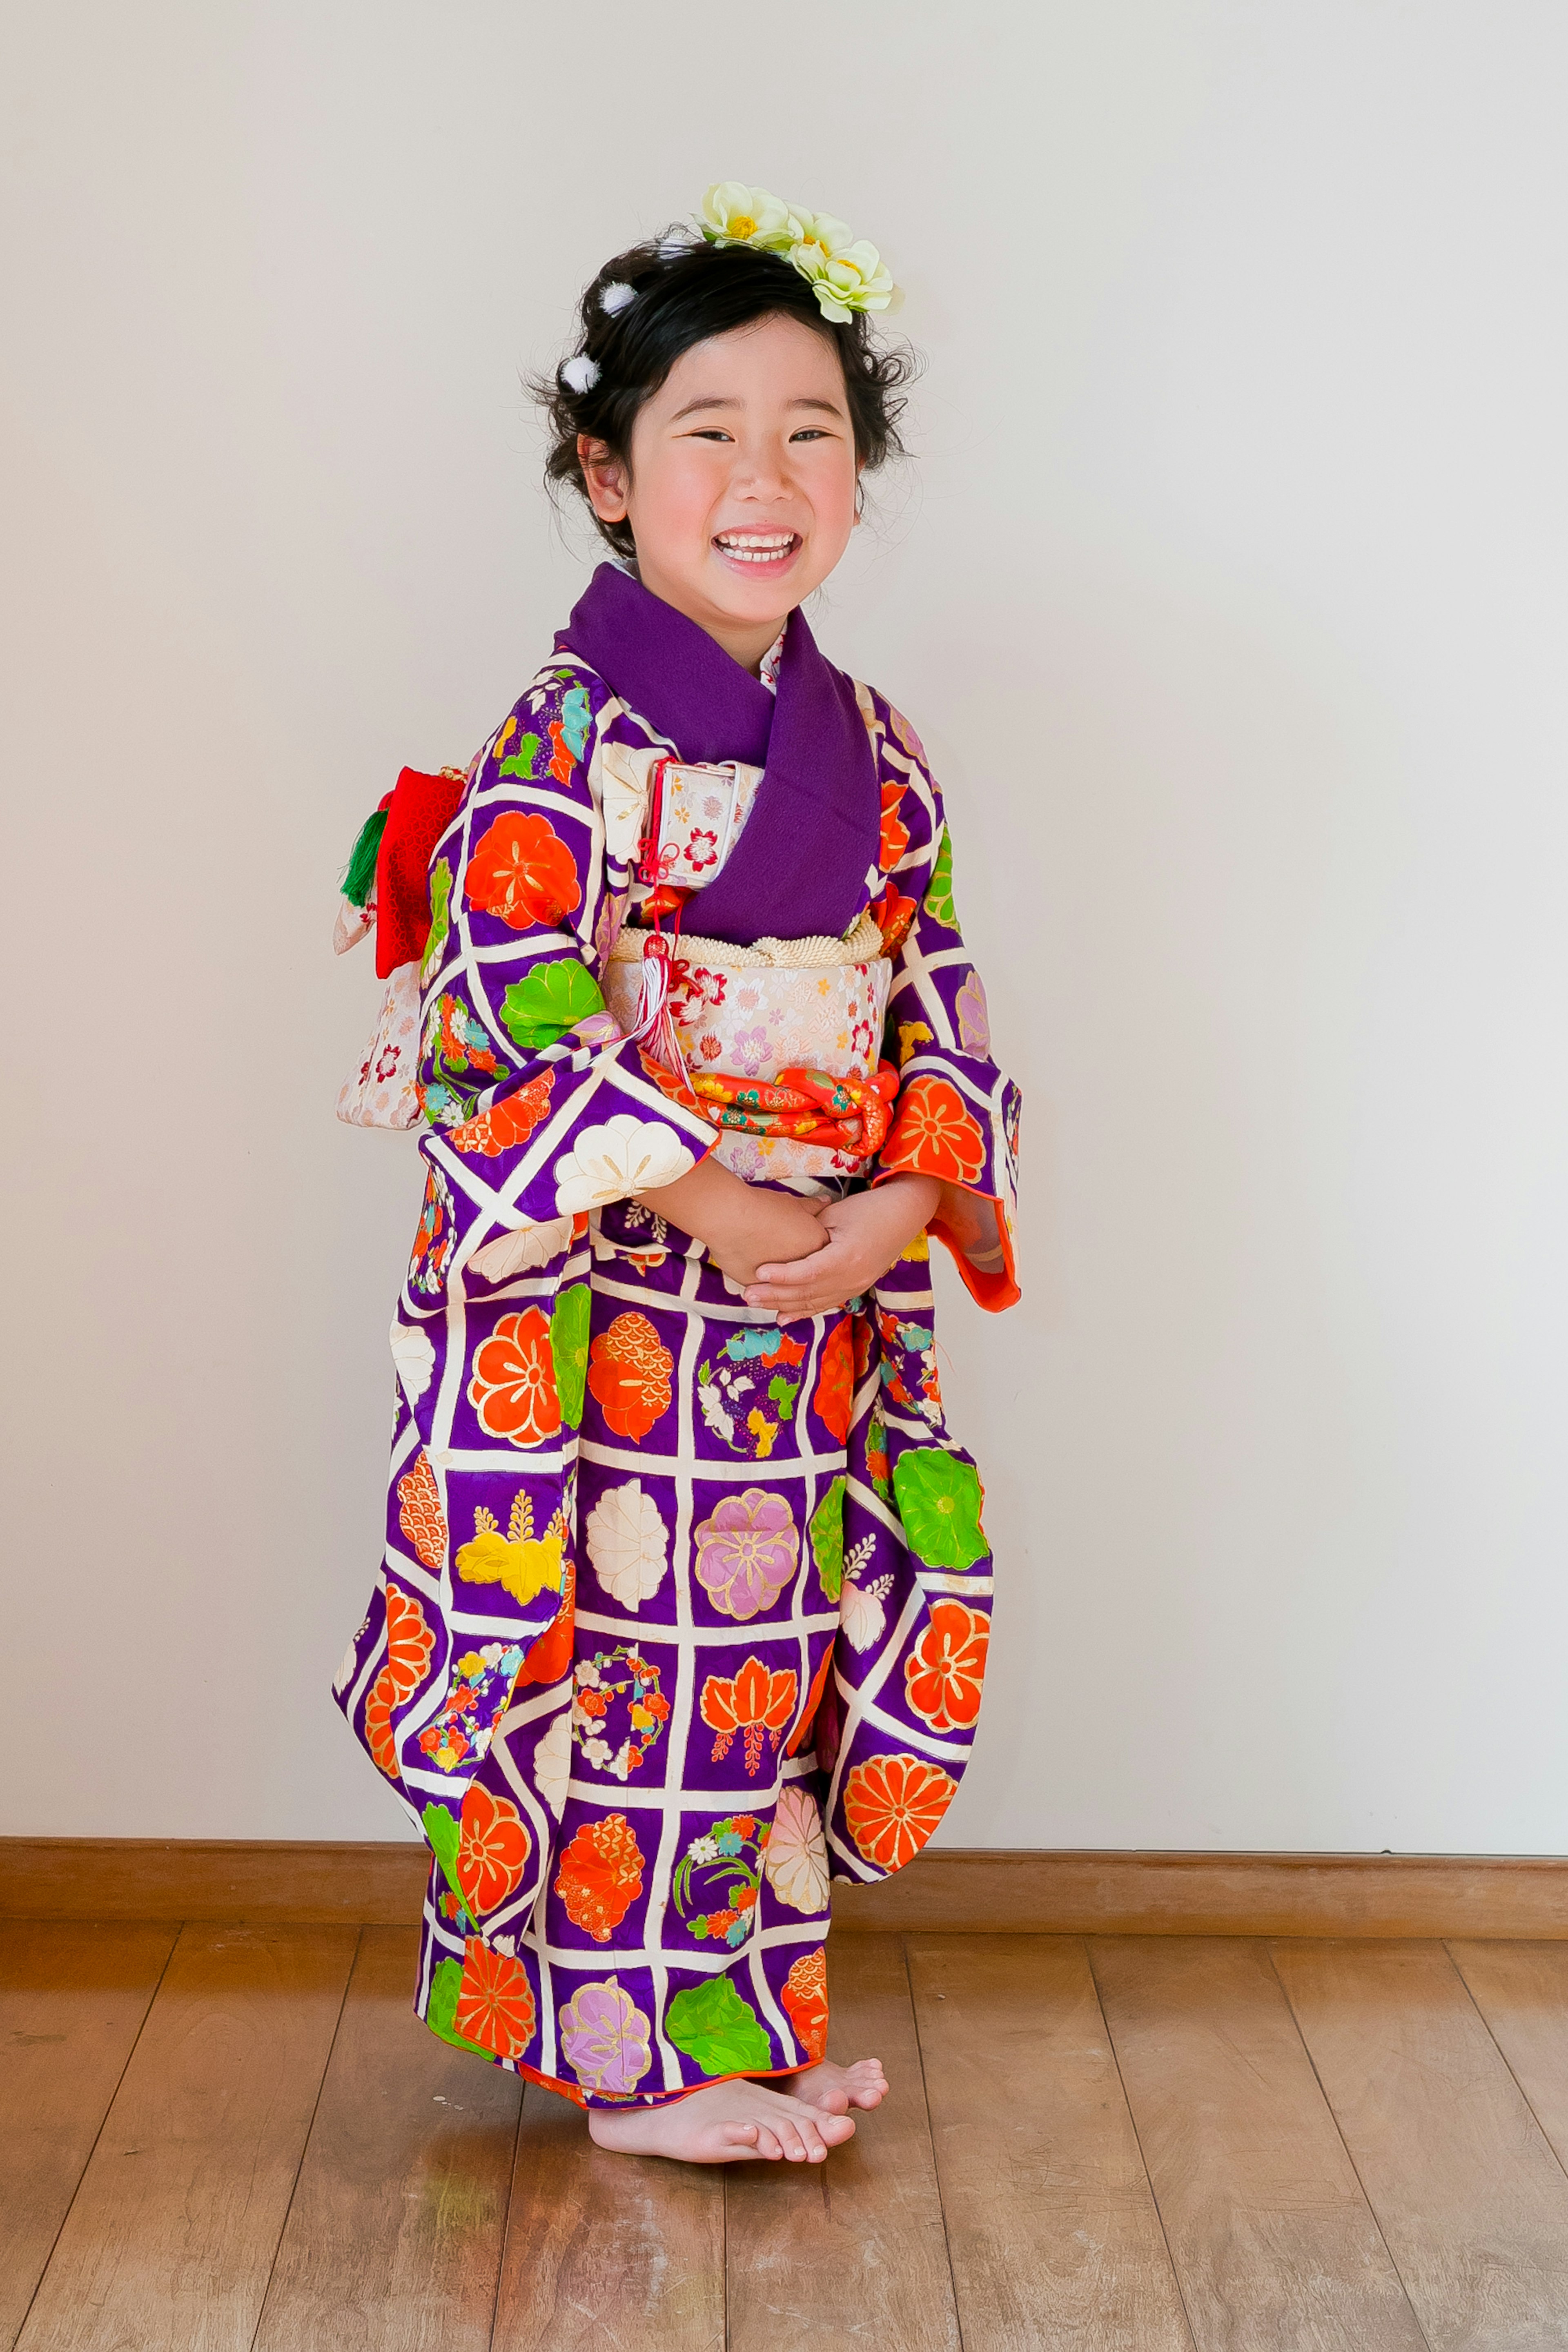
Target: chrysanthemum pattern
column 786, row 1618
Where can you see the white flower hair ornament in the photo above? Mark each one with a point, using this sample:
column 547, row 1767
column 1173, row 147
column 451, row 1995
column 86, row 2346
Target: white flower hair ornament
column 844, row 273
column 580, row 374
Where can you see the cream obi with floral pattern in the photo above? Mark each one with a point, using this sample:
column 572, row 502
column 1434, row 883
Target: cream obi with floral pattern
column 752, row 1013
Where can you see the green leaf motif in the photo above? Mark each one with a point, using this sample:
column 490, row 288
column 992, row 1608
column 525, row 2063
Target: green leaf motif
column 939, row 1503
column 569, row 1346
column 553, row 998
column 826, row 1533
column 441, row 2008
column 521, row 760
column 444, row 1835
column 440, row 917
column 782, row 1393
column 712, row 2024
column 939, row 903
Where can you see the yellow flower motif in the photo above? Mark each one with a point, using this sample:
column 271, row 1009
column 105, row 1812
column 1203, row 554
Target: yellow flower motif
column 846, row 273
column 733, row 214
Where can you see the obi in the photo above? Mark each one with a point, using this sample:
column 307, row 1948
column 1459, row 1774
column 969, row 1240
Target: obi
column 782, row 1046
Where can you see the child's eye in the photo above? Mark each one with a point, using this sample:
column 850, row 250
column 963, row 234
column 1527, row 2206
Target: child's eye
column 711, row 433
column 810, row 433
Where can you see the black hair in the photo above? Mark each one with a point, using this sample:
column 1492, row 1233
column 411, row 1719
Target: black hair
column 684, row 290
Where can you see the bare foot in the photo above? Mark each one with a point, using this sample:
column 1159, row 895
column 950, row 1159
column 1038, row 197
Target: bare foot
column 726, row 2123
column 834, row 2089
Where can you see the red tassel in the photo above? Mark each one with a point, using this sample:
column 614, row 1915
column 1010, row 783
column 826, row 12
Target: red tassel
column 655, row 1025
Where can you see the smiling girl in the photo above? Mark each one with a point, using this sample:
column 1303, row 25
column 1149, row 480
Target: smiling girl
column 685, row 1603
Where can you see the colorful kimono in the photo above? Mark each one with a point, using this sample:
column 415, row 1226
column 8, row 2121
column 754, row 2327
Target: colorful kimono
column 683, row 1614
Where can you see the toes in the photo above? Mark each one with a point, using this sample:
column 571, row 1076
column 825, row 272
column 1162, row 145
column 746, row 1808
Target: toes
column 767, row 2142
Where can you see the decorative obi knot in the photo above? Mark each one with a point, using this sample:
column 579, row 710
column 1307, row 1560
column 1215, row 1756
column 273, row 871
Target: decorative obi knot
column 804, row 1106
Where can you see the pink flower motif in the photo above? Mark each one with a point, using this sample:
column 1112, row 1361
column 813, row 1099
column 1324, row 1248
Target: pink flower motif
column 605, row 2038
column 702, row 849
column 751, row 1050
column 974, row 1017
column 747, row 1552
column 598, row 1028
column 386, row 1066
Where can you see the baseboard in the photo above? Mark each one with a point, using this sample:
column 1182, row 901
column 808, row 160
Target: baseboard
column 955, row 1889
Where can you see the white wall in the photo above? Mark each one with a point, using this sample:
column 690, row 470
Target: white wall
column 1229, row 594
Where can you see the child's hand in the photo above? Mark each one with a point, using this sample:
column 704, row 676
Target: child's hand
column 737, row 1222
column 867, row 1233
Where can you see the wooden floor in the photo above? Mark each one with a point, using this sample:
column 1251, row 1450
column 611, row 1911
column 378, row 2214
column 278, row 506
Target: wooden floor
column 213, row 2139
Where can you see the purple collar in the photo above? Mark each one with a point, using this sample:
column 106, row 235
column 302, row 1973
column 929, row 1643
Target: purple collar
column 799, row 868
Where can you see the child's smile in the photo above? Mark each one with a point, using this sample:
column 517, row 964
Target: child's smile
column 762, row 551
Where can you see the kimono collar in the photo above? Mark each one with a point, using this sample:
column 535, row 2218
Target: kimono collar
column 799, row 868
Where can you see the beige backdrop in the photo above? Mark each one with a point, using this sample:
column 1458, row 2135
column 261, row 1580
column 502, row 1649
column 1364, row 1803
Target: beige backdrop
column 1229, row 594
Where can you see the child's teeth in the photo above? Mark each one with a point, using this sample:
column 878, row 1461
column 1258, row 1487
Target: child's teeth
column 756, row 549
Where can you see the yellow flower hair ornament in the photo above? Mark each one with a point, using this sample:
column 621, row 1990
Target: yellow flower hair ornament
column 844, row 273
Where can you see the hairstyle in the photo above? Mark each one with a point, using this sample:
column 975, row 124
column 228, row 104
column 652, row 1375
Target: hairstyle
column 662, row 297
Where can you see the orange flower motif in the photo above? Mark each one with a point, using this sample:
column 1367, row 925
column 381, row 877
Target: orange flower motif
column 836, row 1380
column 944, row 1671
column 506, row 1123
column 677, row 1088
column 803, row 1729
column 419, row 1513
column 600, row 1875
column 562, row 762
column 523, row 871
column 894, row 913
column 629, row 1376
column 495, row 2002
column 892, row 1803
column 895, row 832
column 409, row 1643
column 804, row 1998
column 548, row 1658
column 757, row 1703
column 934, row 1135
column 513, row 1385
column 493, row 1850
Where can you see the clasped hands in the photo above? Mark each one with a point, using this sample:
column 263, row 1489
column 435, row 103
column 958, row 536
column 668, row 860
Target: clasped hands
column 800, row 1257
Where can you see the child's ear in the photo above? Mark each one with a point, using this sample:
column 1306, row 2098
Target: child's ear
column 605, row 478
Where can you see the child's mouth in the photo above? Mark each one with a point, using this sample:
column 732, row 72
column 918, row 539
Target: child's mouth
column 758, row 551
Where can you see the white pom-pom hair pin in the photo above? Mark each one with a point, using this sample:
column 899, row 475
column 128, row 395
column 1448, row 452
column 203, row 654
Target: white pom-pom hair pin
column 581, row 374
column 615, row 297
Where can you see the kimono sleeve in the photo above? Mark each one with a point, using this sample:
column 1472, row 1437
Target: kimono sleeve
column 956, row 1114
column 538, row 1109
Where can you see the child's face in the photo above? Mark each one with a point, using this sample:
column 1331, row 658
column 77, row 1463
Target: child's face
column 740, row 491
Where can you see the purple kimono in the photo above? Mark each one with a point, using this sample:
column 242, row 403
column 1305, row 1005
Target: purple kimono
column 683, row 1614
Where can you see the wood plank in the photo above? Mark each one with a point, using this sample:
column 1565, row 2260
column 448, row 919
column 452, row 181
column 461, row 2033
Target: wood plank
column 1273, row 2241
column 972, row 1892
column 72, row 2001
column 603, row 2252
column 169, row 2242
column 851, row 2251
column 276, row 1881
column 1521, row 1990
column 949, row 1889
column 1051, row 2228
column 1471, row 2200
column 394, row 2239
